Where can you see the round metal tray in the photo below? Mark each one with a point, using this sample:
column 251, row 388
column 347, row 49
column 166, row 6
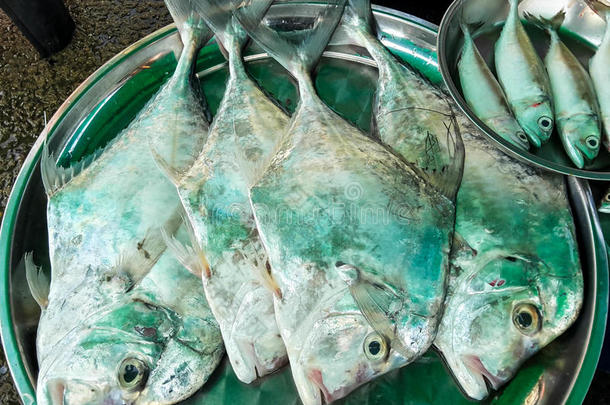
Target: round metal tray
column 581, row 31
column 107, row 101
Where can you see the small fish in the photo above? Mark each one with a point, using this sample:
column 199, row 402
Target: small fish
column 103, row 336
column 524, row 79
column 345, row 220
column 516, row 281
column 598, row 68
column 574, row 98
column 484, row 94
column 214, row 193
column 604, row 205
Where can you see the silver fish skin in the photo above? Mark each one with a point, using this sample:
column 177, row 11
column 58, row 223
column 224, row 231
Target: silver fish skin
column 343, row 220
column 598, row 69
column 604, row 205
column 516, row 282
column 524, row 79
column 104, row 218
column 484, row 94
column 214, row 193
column 576, row 108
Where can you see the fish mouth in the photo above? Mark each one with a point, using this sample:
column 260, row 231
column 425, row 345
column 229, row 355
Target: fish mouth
column 476, row 366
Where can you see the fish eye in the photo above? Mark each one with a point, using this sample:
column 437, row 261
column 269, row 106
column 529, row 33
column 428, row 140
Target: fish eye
column 132, row 374
column 521, row 135
column 545, row 123
column 375, row 347
column 592, row 142
column 607, row 197
column 527, row 318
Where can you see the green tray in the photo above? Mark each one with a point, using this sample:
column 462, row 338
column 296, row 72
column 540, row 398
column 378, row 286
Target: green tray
column 106, row 103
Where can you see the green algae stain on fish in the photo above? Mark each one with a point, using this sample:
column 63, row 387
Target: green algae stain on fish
column 576, row 108
column 524, row 79
column 516, row 281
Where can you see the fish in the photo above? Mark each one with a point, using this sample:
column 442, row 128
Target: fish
column 604, row 204
column 575, row 103
column 214, row 193
column 103, row 337
column 524, row 79
column 516, row 282
column 483, row 93
column 598, row 69
column 343, row 219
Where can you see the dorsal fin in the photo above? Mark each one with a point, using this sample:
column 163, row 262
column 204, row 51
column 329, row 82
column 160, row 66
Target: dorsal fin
column 191, row 256
column 297, row 51
column 38, row 281
column 54, row 177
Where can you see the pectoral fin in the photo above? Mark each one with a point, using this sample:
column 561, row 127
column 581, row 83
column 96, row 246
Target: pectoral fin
column 38, row 281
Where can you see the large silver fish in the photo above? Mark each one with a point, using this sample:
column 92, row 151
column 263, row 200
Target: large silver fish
column 598, row 68
column 104, row 336
column 516, row 281
column 576, row 108
column 524, row 79
column 214, row 193
column 345, row 222
column 484, row 94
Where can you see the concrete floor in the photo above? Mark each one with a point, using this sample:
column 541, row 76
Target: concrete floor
column 29, row 87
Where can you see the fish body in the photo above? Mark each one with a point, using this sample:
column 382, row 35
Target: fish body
column 516, row 281
column 575, row 103
column 214, row 193
column 600, row 74
column 343, row 219
column 484, row 94
column 524, row 79
column 105, row 219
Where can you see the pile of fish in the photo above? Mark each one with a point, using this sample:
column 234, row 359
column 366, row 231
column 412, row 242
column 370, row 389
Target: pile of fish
column 341, row 253
column 531, row 97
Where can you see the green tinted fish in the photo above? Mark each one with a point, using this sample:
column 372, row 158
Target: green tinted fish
column 604, row 205
column 516, row 281
column 345, row 221
column 484, row 94
column 107, row 333
column 574, row 98
column 524, row 79
column 598, row 69
column 214, row 193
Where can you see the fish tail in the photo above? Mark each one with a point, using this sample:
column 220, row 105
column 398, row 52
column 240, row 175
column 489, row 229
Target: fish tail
column 191, row 26
column 551, row 25
column 359, row 13
column 218, row 14
column 38, row 281
column 297, row 51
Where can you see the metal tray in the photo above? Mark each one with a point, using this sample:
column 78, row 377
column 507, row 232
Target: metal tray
column 582, row 32
column 107, row 101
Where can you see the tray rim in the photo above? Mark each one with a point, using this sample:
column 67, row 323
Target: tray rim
column 9, row 341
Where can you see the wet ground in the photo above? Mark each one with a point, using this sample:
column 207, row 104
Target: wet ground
column 30, row 86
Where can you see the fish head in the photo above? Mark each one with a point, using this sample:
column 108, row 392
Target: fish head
column 537, row 121
column 604, row 205
column 581, row 136
column 502, row 314
column 341, row 353
column 507, row 127
column 133, row 353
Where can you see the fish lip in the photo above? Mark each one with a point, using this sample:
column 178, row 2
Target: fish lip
column 476, row 366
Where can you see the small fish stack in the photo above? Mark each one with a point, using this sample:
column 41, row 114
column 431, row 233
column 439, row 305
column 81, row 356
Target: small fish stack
column 528, row 97
column 238, row 234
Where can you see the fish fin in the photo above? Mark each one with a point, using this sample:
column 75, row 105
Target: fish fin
column 460, row 244
column 190, row 256
column 550, row 25
column 138, row 258
column 374, row 300
column 297, row 51
column 55, row 177
column 38, row 281
column 258, row 259
column 601, row 8
column 189, row 23
column 173, row 173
